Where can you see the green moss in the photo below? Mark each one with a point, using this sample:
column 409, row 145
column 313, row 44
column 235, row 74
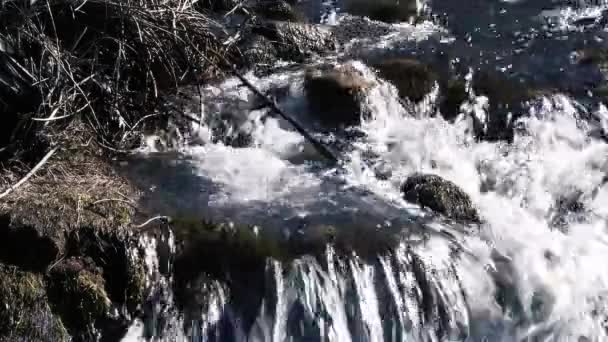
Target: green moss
column 227, row 240
column 94, row 301
column 78, row 295
column 136, row 286
column 24, row 311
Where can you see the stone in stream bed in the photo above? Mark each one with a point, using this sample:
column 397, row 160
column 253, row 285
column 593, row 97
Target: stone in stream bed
column 384, row 10
column 258, row 51
column 439, row 195
column 412, row 78
column 334, row 94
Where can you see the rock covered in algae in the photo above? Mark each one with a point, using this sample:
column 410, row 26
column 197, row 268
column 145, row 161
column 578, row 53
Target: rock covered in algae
column 412, row 78
column 439, row 195
column 335, row 94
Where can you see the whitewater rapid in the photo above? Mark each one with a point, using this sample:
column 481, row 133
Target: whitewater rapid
column 534, row 270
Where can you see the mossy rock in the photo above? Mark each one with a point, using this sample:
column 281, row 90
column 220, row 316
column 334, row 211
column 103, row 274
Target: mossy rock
column 413, row 79
column 439, row 195
column 383, row 10
column 77, row 292
column 258, row 52
column 121, row 263
column 24, row 311
column 334, row 94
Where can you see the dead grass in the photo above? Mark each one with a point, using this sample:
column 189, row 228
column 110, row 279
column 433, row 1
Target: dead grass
column 103, row 62
column 78, row 189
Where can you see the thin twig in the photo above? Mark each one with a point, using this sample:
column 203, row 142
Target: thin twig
column 160, row 217
column 30, row 174
column 113, row 200
column 52, row 118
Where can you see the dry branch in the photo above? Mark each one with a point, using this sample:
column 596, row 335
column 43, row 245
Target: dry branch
column 29, row 174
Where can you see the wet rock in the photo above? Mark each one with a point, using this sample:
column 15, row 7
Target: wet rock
column 278, row 10
column 506, row 99
column 25, row 314
column 384, row 10
column 412, row 78
column 334, row 94
column 440, row 195
column 297, row 41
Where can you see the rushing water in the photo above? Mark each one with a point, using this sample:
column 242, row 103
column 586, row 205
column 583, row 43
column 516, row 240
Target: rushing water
column 534, row 270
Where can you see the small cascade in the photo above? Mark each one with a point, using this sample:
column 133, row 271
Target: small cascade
column 395, row 297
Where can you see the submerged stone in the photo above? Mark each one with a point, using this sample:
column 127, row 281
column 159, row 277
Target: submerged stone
column 258, row 50
column 384, row 10
column 334, row 94
column 439, row 195
column 412, row 78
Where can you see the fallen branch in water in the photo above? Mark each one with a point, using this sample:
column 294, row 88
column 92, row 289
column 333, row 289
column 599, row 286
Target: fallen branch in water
column 322, row 149
column 30, row 174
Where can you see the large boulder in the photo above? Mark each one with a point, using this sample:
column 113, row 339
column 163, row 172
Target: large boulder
column 412, row 78
column 384, row 10
column 439, row 195
column 334, row 94
column 297, row 41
